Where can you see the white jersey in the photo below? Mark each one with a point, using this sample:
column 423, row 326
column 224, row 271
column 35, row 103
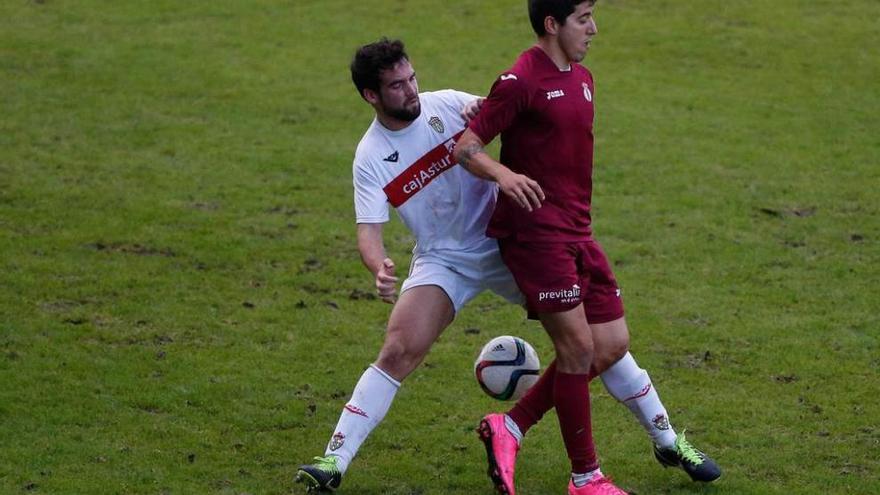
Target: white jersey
column 441, row 203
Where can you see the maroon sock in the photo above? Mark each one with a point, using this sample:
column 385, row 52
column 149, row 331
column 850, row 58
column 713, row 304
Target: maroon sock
column 538, row 400
column 529, row 409
column 571, row 395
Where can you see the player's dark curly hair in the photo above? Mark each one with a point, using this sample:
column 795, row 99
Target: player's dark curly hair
column 559, row 9
column 370, row 60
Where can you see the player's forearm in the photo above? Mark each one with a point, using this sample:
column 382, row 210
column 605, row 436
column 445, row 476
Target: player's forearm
column 371, row 246
column 470, row 154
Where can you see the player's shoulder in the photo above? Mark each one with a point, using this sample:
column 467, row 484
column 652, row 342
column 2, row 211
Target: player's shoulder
column 522, row 72
column 451, row 98
column 583, row 71
column 369, row 145
column 439, row 95
column 446, row 104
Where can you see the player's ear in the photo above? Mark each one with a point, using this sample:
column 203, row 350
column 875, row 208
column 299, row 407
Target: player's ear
column 550, row 25
column 371, row 96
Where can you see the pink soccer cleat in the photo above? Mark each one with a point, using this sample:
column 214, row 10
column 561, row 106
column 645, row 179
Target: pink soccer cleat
column 599, row 485
column 501, row 450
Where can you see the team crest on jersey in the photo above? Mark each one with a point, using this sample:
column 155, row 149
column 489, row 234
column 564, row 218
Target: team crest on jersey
column 436, row 124
column 587, row 93
column 337, row 441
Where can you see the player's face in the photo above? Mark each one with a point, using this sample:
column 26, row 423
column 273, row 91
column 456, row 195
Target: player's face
column 399, row 92
column 576, row 34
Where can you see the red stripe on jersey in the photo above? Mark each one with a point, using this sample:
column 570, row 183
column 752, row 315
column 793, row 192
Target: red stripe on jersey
column 421, row 172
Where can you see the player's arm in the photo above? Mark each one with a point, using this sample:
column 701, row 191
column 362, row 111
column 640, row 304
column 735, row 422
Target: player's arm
column 372, row 250
column 470, row 153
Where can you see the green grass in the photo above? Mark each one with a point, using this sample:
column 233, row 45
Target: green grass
column 181, row 304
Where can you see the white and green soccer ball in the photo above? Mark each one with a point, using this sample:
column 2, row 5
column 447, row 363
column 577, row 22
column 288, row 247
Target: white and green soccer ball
column 506, row 367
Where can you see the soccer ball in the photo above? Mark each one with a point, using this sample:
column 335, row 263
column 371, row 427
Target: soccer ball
column 506, row 367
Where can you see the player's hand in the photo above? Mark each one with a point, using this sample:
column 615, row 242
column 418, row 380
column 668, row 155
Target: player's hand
column 471, row 109
column 522, row 190
column 386, row 282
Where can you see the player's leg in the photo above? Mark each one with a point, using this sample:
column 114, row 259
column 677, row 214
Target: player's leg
column 627, row 382
column 418, row 318
column 573, row 344
column 622, row 376
column 632, row 386
column 501, row 433
column 618, row 370
column 569, row 339
column 532, row 406
column 549, row 278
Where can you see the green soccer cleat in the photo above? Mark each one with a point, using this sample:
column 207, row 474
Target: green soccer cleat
column 696, row 464
column 322, row 476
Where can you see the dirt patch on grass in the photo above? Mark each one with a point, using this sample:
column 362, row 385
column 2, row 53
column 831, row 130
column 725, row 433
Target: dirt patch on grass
column 132, row 248
column 796, row 211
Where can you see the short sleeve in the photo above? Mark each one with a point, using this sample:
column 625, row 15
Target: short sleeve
column 508, row 98
column 453, row 103
column 370, row 201
column 457, row 99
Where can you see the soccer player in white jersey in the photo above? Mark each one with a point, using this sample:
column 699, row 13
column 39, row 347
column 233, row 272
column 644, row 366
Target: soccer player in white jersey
column 405, row 160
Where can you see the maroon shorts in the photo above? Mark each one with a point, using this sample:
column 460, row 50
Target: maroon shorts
column 557, row 276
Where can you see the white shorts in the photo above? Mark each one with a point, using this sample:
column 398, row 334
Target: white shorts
column 463, row 275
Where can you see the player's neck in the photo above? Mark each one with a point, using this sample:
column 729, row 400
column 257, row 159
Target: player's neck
column 549, row 46
column 391, row 123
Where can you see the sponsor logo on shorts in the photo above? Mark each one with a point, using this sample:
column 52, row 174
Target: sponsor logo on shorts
column 561, row 295
column 355, row 410
column 661, row 422
column 337, row 441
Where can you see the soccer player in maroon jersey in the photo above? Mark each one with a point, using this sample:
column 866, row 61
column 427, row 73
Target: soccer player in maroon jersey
column 543, row 109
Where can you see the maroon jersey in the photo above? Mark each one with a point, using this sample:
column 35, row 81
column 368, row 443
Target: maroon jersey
column 545, row 118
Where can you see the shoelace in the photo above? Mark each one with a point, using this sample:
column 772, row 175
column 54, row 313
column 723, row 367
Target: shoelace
column 327, row 464
column 687, row 451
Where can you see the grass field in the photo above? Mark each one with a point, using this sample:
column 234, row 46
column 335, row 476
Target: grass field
column 182, row 307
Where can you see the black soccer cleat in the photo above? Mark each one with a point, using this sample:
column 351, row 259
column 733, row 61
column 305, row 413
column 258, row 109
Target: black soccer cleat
column 320, row 477
column 696, row 464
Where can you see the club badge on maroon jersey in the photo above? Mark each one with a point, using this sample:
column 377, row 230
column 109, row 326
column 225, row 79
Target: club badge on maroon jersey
column 587, row 94
column 436, row 124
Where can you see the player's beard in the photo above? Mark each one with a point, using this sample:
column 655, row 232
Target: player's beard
column 405, row 114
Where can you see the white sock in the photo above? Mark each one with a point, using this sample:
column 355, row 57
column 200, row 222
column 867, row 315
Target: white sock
column 513, row 428
column 581, row 479
column 632, row 386
column 369, row 402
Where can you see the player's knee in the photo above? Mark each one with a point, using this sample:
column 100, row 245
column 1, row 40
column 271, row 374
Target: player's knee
column 606, row 355
column 396, row 359
column 575, row 357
